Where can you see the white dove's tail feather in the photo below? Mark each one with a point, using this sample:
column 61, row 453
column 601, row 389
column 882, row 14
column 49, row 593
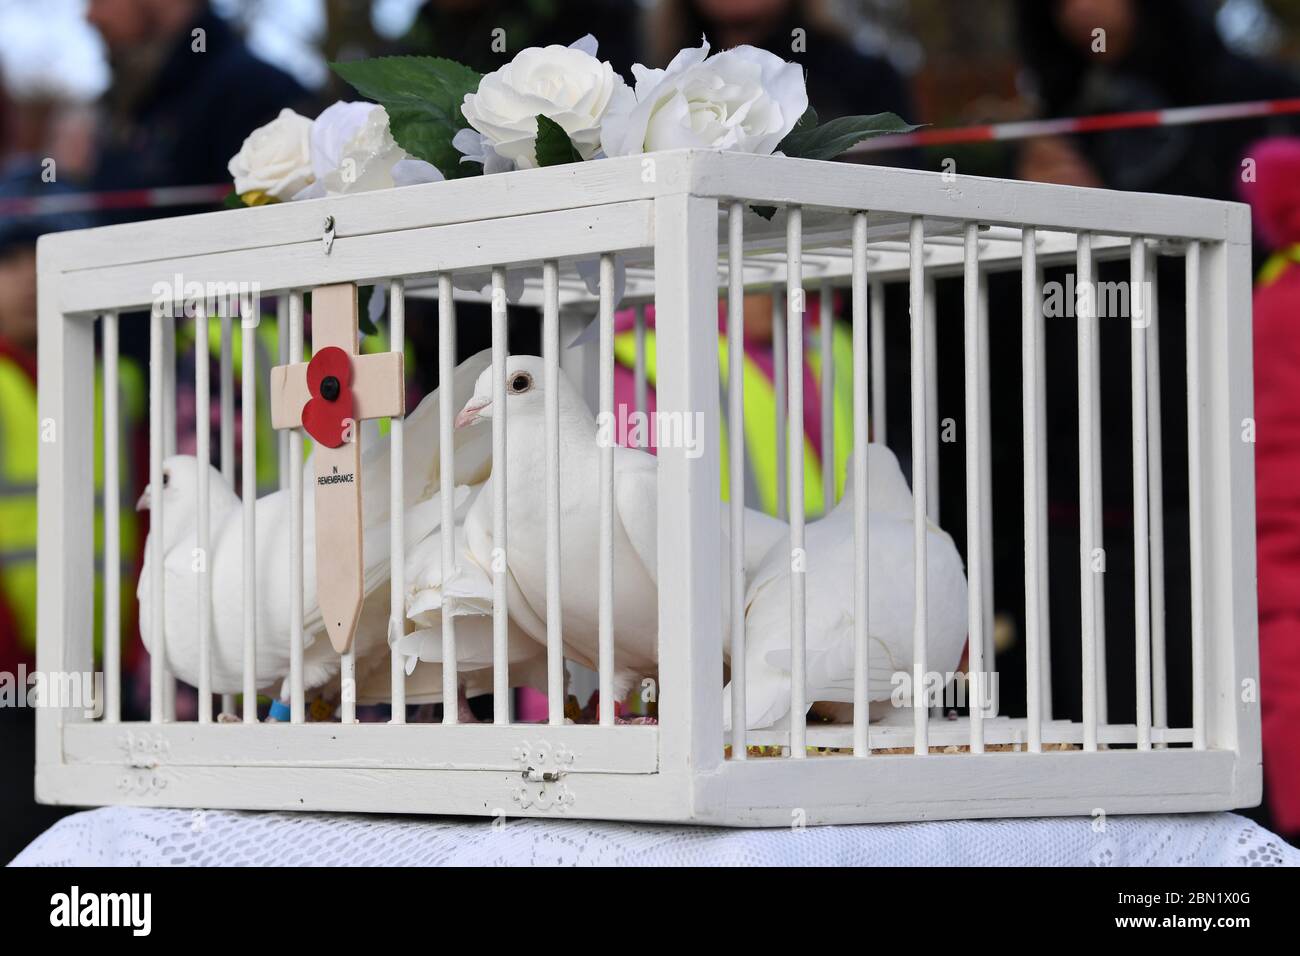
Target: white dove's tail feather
column 830, row 669
column 767, row 700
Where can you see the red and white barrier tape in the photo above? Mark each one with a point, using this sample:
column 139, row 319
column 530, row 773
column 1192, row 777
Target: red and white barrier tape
column 119, row 199
column 1180, row 116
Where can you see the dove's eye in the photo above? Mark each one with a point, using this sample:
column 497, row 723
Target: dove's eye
column 166, row 478
column 521, row 382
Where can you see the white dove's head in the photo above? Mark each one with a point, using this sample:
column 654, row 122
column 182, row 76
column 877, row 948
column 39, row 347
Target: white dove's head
column 525, row 377
column 180, row 496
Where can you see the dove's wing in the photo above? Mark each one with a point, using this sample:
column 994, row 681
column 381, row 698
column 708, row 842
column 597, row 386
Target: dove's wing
column 762, row 533
column 636, row 505
column 473, row 446
column 831, row 638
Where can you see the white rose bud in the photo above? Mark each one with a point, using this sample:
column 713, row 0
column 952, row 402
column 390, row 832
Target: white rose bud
column 276, row 158
column 744, row 99
column 568, row 85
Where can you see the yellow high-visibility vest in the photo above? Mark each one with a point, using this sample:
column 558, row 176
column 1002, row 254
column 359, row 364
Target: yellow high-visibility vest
column 760, row 417
column 20, row 436
column 1278, row 263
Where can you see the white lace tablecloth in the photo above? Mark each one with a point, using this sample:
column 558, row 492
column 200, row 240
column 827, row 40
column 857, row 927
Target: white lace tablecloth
column 127, row 836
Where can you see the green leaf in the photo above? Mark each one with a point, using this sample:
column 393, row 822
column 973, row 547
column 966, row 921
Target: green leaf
column 423, row 96
column 232, row 201
column 554, row 148
column 830, row 139
column 806, row 122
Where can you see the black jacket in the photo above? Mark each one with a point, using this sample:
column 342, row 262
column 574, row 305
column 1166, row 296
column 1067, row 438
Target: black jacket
column 194, row 116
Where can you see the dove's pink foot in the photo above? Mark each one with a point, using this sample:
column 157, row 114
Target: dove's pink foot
column 463, row 713
column 227, row 718
column 648, row 721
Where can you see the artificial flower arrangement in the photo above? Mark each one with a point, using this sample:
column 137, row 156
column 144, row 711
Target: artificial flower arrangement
column 434, row 119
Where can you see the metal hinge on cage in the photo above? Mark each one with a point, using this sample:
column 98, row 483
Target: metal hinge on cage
column 542, row 767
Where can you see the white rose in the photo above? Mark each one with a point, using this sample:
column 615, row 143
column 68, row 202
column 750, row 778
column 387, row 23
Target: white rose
column 743, row 99
column 276, row 158
column 568, row 85
column 353, row 150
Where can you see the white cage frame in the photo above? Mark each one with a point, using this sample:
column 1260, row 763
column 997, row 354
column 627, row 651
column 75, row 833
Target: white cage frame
column 668, row 215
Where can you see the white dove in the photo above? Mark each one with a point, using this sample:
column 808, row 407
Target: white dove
column 636, row 595
column 466, row 594
column 225, row 565
column 225, row 557
column 830, row 587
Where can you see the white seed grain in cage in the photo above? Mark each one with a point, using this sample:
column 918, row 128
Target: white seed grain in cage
column 659, row 588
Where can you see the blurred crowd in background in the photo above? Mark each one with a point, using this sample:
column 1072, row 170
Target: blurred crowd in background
column 111, row 95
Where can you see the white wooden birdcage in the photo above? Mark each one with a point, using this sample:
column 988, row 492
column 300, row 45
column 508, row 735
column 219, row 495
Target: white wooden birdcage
column 681, row 224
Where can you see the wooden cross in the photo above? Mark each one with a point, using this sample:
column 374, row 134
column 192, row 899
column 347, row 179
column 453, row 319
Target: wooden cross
column 328, row 396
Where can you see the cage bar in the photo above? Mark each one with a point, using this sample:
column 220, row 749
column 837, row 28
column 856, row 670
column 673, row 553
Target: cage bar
column 112, row 525
column 1141, row 498
column 736, row 451
column 1196, row 490
column 248, row 494
column 396, row 517
column 1044, row 548
column 283, row 473
column 1155, row 470
column 203, row 456
column 1089, row 488
column 920, row 474
column 297, row 696
column 975, row 514
column 605, row 637
column 554, row 609
column 500, row 621
column 992, row 703
column 794, row 479
column 157, row 556
column 1034, row 493
column 447, row 486
column 860, row 493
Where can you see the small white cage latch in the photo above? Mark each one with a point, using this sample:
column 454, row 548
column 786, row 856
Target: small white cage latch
column 534, row 775
column 327, row 234
column 540, row 766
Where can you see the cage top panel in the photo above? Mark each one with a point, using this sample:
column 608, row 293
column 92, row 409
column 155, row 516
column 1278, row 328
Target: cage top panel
column 533, row 214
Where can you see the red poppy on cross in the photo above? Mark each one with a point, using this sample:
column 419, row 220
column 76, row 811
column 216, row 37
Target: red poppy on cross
column 327, row 397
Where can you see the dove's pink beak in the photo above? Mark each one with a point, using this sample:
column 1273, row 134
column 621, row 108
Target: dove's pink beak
column 142, row 503
column 472, row 412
